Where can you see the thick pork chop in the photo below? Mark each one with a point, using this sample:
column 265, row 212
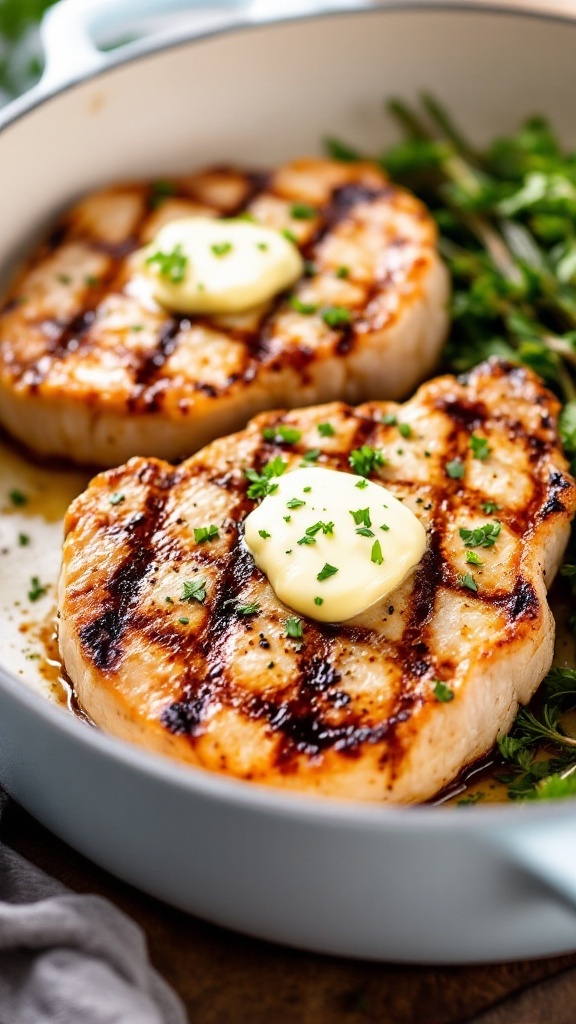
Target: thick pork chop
column 93, row 369
column 180, row 644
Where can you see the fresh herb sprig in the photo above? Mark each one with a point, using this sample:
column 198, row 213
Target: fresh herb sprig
column 540, row 749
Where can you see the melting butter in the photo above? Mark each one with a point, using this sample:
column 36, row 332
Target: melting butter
column 209, row 265
column 332, row 544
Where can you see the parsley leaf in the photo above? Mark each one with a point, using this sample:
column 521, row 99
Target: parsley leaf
column 295, row 503
column 442, row 692
column 455, row 469
column 336, row 316
column 326, row 430
column 489, row 507
column 262, row 484
column 376, row 556
column 482, row 536
column 303, row 211
column 365, row 459
column 204, row 533
column 171, row 265
column 480, row 447
column 294, row 628
column 468, row 581
column 282, row 432
column 194, row 590
column 37, row 589
column 327, row 571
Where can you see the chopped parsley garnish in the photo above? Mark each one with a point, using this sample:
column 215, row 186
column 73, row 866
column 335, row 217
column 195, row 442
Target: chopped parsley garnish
column 312, row 455
column 342, row 272
column 37, row 590
column 455, row 469
column 361, row 484
column 306, row 308
column 117, row 498
column 194, row 590
column 490, row 507
column 261, row 483
column 221, row 248
column 326, row 430
column 171, row 265
column 306, row 489
column 405, row 430
column 295, row 503
column 169, row 600
column 481, row 537
column 327, row 571
column 442, row 692
column 23, row 540
column 365, row 459
column 252, row 608
column 480, row 447
column 263, row 246
column 361, row 517
column 92, row 281
column 310, row 268
column 290, row 236
column 376, row 556
column 336, row 316
column 306, row 539
column 282, row 432
column 18, row 498
column 64, row 278
column 389, row 420
column 467, row 580
column 327, row 528
column 287, row 519
column 264, row 534
column 184, row 620
column 204, row 533
column 365, row 532
column 302, row 211
column 318, row 601
column 384, row 527
column 160, row 190
column 473, row 558
column 294, row 628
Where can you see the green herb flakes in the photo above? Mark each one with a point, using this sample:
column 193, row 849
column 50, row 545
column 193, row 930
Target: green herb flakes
column 262, row 483
column 480, row 447
column 442, row 692
column 294, row 628
column 490, row 507
column 282, row 433
column 468, row 581
column 205, row 533
column 405, row 430
column 37, row 589
column 365, row 460
column 18, row 498
column 171, row 265
column 326, row 430
column 302, row 211
column 220, row 249
column 327, row 571
column 295, row 503
column 473, row 559
column 481, row 537
column 376, row 555
column 455, row 469
column 318, row 601
column 194, row 590
column 264, row 534
column 306, row 308
column 336, row 316
column 117, row 498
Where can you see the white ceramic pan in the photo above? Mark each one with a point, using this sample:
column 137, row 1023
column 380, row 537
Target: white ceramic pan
column 422, row 884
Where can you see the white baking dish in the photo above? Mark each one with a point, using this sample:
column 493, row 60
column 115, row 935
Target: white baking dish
column 420, row 884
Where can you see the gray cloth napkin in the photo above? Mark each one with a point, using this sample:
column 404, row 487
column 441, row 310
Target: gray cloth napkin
column 70, row 959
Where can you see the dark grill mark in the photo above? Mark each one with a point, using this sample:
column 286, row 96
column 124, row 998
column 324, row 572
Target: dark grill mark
column 556, row 484
column 153, row 361
column 522, row 603
column 101, row 637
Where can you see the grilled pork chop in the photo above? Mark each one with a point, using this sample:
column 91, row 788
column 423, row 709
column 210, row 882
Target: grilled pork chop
column 182, row 646
column 91, row 368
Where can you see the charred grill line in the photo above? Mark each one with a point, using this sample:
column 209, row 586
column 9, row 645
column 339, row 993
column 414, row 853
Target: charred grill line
column 101, row 637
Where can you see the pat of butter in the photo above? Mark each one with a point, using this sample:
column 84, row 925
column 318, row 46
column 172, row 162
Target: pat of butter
column 208, row 265
column 332, row 544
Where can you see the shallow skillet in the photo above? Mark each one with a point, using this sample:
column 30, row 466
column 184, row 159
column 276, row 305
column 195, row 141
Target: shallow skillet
column 420, row 884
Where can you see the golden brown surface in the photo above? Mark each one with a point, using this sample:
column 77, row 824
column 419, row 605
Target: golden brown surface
column 91, row 368
column 350, row 709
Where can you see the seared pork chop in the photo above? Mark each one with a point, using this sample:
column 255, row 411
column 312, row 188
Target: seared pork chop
column 93, row 369
column 180, row 644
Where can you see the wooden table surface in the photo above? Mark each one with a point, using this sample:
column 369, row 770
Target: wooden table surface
column 225, row 978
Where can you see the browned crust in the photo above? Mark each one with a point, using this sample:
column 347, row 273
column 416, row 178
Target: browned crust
column 306, row 713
